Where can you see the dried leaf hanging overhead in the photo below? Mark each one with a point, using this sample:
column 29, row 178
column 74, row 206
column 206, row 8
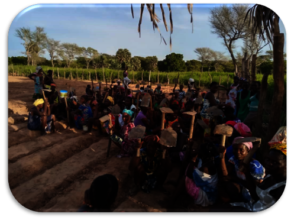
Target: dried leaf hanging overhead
column 132, row 11
column 154, row 19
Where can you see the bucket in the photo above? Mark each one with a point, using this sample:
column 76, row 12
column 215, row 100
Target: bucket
column 63, row 93
column 85, row 128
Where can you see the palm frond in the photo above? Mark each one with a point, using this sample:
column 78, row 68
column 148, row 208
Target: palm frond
column 140, row 19
column 171, row 20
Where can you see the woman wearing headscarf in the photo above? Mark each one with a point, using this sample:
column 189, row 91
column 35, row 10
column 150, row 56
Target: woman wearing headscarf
column 38, row 82
column 40, row 117
column 271, row 189
column 127, row 146
column 236, row 183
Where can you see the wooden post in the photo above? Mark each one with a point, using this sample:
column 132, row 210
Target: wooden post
column 111, row 77
column 158, row 77
column 103, row 74
column 142, row 76
column 64, row 74
column 89, row 76
column 71, row 75
column 76, row 75
column 199, row 79
column 133, row 76
column 219, row 79
column 83, row 75
column 58, row 73
column 96, row 75
column 210, row 77
column 150, row 75
column 118, row 75
column 227, row 79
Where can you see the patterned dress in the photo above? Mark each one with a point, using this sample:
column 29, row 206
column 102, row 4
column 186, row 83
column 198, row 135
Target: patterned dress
column 257, row 172
column 127, row 146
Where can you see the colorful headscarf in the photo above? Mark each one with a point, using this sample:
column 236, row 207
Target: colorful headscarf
column 243, row 129
column 249, row 145
column 232, row 123
column 94, row 102
column 52, row 84
column 129, row 112
column 74, row 98
column 279, row 141
column 38, row 102
column 110, row 99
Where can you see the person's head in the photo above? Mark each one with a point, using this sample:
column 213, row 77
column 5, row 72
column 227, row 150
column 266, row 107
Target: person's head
column 159, row 87
column 53, row 87
column 39, row 103
column 103, row 192
column 235, row 80
column 213, row 87
column 118, row 82
column 126, row 116
column 128, row 102
column 84, row 99
column 254, row 88
column 50, row 72
column 181, row 87
column 88, row 87
column 241, row 150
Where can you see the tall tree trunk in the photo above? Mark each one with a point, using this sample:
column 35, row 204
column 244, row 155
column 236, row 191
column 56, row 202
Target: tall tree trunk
column 52, row 60
column 254, row 67
column 243, row 68
column 231, row 55
column 247, row 69
column 278, row 76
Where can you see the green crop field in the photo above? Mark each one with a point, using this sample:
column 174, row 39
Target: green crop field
column 225, row 78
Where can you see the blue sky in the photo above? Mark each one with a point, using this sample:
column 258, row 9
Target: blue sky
column 110, row 27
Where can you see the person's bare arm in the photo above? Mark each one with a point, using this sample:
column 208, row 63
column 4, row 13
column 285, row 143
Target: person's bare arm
column 31, row 76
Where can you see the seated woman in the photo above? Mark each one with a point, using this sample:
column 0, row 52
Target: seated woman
column 40, row 117
column 84, row 114
column 271, row 189
column 150, row 166
column 240, row 129
column 121, row 134
column 101, row 195
column 129, row 106
column 237, row 184
column 201, row 176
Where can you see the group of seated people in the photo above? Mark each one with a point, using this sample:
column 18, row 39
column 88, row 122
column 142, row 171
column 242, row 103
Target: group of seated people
column 209, row 173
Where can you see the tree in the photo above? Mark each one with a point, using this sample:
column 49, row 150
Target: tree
column 52, row 46
column 217, row 58
column 204, row 55
column 68, row 52
column 135, row 63
column 89, row 54
column 100, row 61
column 174, row 62
column 34, row 42
column 193, row 65
column 264, row 21
column 123, row 56
column 228, row 24
column 151, row 63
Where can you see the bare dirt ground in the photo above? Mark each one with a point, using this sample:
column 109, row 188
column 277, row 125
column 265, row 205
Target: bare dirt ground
column 52, row 172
